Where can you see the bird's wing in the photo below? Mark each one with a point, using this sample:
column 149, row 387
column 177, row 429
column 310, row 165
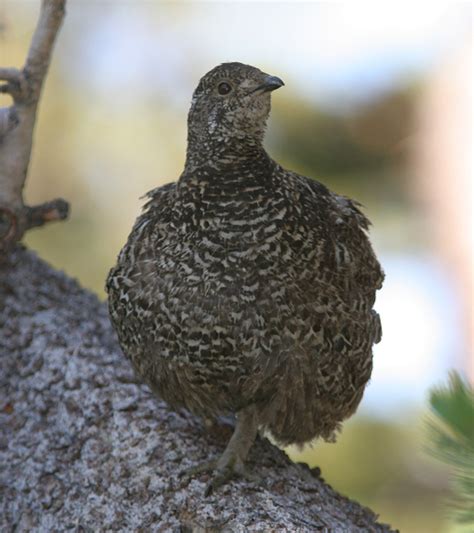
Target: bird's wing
column 351, row 208
column 145, row 234
column 158, row 196
column 347, row 208
column 345, row 227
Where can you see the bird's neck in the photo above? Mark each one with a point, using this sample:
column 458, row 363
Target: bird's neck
column 222, row 156
column 228, row 173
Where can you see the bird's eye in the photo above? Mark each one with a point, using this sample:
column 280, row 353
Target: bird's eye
column 224, row 88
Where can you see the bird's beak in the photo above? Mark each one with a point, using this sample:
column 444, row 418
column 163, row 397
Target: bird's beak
column 269, row 84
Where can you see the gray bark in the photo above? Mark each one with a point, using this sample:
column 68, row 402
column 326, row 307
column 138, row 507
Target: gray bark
column 83, row 447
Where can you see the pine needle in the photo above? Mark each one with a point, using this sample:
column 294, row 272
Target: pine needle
column 451, row 436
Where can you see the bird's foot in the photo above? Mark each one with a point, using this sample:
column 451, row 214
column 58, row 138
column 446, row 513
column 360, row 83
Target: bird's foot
column 205, row 466
column 223, row 470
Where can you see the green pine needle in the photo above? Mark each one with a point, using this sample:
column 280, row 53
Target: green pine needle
column 451, row 435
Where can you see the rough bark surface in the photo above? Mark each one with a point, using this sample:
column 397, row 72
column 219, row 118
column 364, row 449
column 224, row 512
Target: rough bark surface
column 83, row 447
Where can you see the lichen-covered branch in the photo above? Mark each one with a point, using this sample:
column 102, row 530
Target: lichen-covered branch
column 16, row 130
column 83, row 447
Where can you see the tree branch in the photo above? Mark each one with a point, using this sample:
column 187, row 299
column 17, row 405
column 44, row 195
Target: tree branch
column 39, row 56
column 16, row 129
column 9, row 74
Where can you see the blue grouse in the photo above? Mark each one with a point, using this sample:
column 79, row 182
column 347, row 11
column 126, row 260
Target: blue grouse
column 247, row 288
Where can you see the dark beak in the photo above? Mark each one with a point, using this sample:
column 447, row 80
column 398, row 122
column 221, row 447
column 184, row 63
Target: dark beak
column 270, row 84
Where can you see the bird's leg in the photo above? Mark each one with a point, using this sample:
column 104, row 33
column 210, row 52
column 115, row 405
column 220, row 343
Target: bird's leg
column 231, row 462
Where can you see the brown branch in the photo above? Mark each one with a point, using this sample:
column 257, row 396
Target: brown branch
column 30, row 217
column 16, row 130
column 38, row 215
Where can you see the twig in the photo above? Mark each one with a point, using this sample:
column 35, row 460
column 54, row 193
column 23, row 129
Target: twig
column 9, row 74
column 38, row 215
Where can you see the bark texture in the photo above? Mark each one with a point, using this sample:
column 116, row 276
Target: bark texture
column 17, row 124
column 83, row 447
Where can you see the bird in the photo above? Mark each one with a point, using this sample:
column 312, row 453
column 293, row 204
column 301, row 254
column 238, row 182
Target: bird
column 244, row 288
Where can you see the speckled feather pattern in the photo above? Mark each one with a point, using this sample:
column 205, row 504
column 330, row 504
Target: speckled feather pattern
column 247, row 284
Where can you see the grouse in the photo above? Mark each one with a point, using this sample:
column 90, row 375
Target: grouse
column 245, row 288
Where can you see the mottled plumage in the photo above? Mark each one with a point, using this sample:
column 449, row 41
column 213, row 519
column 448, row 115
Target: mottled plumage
column 247, row 288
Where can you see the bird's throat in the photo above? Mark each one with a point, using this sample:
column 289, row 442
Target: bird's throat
column 227, row 156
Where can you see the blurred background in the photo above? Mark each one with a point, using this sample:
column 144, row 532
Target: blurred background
column 377, row 105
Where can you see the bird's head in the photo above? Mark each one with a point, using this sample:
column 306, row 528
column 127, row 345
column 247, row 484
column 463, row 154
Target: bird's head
column 229, row 109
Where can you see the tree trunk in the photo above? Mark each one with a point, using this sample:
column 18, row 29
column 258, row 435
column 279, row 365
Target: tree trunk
column 83, row 447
